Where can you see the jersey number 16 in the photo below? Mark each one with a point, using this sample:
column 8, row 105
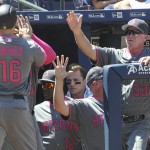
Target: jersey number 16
column 13, row 75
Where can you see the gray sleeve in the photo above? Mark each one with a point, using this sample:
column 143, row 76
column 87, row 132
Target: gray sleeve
column 105, row 56
column 39, row 55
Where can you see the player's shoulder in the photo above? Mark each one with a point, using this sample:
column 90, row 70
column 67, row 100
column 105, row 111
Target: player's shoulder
column 32, row 43
column 24, row 42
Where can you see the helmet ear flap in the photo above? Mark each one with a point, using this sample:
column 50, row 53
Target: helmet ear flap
column 8, row 16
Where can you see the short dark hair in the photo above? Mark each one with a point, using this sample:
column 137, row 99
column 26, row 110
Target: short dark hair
column 75, row 67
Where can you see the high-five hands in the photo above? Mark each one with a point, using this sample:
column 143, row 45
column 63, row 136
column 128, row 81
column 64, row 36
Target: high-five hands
column 74, row 21
column 60, row 67
column 24, row 28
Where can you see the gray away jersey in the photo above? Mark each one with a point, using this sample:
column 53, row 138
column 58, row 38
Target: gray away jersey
column 57, row 133
column 135, row 93
column 16, row 57
column 89, row 114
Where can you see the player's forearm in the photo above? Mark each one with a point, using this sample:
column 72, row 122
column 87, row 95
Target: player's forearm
column 51, row 55
column 58, row 98
column 85, row 45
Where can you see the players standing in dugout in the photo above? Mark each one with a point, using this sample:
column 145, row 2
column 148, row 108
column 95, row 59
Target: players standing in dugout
column 57, row 133
column 135, row 93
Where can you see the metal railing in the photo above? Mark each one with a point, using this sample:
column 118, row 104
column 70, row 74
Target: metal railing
column 22, row 3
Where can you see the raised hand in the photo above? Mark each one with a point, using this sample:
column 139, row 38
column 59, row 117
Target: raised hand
column 60, row 74
column 60, row 67
column 74, row 21
column 24, row 28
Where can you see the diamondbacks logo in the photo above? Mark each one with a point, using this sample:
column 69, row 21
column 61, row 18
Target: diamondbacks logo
column 45, row 75
column 140, row 69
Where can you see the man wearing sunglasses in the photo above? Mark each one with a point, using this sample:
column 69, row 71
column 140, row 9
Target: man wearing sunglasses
column 57, row 133
column 136, row 93
column 76, row 83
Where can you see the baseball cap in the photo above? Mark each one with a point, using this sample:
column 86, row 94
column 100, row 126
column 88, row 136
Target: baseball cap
column 49, row 76
column 8, row 16
column 137, row 23
column 93, row 74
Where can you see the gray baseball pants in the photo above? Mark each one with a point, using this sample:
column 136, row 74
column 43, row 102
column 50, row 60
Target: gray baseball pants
column 16, row 123
column 135, row 135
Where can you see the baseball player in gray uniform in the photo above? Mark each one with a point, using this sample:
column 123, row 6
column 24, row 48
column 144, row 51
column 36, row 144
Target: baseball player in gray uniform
column 88, row 112
column 16, row 57
column 135, row 93
column 57, row 133
column 27, row 31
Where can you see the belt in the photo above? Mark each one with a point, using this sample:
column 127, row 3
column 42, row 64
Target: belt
column 129, row 119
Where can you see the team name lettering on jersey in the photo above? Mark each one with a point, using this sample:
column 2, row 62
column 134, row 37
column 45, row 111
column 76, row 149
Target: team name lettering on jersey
column 58, row 125
column 11, row 51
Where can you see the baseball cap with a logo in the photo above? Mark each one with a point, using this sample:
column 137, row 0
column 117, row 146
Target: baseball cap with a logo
column 95, row 73
column 49, row 76
column 137, row 23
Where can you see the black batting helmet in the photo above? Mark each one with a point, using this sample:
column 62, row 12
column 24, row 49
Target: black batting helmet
column 8, row 16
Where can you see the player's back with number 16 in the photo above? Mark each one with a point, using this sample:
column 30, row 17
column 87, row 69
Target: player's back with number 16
column 16, row 57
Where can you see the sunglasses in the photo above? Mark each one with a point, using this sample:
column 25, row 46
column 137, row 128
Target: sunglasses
column 48, row 85
column 133, row 32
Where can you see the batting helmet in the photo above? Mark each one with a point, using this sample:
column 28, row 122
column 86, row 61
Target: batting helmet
column 8, row 16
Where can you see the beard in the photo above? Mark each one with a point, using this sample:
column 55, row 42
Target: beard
column 48, row 95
